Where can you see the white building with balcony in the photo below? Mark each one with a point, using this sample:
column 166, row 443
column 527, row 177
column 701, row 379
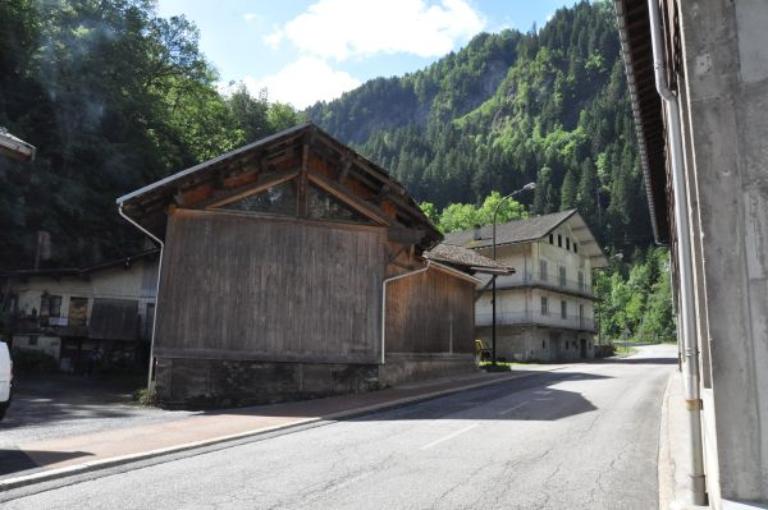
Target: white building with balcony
column 545, row 310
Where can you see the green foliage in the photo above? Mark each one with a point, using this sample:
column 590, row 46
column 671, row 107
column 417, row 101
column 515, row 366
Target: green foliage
column 549, row 106
column 113, row 97
column 467, row 216
column 145, row 397
column 636, row 301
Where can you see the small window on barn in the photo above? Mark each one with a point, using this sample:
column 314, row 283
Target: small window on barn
column 568, row 243
column 322, row 206
column 544, row 306
column 559, row 240
column 279, row 199
column 575, row 247
column 551, row 238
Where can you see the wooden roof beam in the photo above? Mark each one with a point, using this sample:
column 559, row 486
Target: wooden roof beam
column 345, row 195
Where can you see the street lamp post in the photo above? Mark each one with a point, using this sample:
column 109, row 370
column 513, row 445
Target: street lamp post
column 529, row 186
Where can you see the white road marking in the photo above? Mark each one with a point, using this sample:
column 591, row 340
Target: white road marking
column 449, row 436
column 507, row 411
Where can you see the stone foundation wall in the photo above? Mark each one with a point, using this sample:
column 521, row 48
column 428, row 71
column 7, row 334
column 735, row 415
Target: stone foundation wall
column 407, row 367
column 208, row 383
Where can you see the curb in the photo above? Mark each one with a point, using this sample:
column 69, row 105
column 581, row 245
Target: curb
column 87, row 467
column 665, row 462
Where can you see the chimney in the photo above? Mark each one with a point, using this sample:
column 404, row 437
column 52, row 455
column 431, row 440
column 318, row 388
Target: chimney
column 477, row 236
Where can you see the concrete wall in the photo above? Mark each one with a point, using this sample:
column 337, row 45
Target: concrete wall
column 725, row 100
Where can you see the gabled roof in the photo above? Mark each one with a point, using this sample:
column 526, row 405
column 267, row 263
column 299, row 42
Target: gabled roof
column 466, row 259
column 348, row 175
column 532, row 229
column 519, row 231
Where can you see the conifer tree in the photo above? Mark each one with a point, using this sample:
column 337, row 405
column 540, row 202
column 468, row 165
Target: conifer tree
column 568, row 191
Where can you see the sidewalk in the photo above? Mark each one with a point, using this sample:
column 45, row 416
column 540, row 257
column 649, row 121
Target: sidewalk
column 674, row 450
column 65, row 456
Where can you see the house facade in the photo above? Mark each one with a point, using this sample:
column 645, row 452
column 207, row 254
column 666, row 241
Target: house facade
column 545, row 309
column 295, row 268
column 74, row 315
column 697, row 72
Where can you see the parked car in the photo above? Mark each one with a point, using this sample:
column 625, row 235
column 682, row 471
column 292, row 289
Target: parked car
column 6, row 378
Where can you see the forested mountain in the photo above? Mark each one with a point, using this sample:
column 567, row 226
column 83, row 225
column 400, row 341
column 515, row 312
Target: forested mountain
column 550, row 106
column 114, row 98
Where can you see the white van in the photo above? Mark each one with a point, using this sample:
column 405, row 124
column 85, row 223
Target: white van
column 6, row 378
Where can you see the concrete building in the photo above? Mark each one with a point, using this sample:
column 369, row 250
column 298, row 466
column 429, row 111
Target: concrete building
column 292, row 268
column 545, row 310
column 703, row 133
column 72, row 314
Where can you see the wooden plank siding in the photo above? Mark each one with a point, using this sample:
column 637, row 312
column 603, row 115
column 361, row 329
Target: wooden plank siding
column 430, row 312
column 245, row 286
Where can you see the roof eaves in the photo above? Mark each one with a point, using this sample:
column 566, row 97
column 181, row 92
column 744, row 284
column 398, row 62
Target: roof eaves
column 637, row 115
column 205, row 164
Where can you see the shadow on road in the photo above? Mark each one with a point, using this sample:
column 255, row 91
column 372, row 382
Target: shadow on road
column 53, row 398
column 12, row 461
column 540, row 403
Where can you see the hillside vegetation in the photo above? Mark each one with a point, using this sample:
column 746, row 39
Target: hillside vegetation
column 548, row 106
column 115, row 97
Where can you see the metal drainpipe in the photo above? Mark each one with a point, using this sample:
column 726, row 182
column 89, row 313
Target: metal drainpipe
column 384, row 305
column 685, row 262
column 150, row 375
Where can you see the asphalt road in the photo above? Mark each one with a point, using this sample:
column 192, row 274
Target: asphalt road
column 582, row 437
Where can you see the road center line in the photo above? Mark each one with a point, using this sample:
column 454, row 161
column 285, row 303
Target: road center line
column 449, row 436
column 507, row 411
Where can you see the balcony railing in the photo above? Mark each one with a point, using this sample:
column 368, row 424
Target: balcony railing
column 551, row 319
column 552, row 281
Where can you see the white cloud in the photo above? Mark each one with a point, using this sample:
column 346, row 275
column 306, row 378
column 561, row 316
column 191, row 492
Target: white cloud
column 251, row 17
column 341, row 29
column 303, row 82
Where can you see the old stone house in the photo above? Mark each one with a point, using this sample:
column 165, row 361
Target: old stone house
column 73, row 314
column 545, row 309
column 293, row 267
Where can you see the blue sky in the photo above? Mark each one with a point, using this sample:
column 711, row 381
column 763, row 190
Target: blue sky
column 303, row 51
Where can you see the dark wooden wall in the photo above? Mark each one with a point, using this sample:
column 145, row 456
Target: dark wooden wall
column 240, row 287
column 430, row 312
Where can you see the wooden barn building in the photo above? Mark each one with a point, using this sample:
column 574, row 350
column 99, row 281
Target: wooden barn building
column 294, row 268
